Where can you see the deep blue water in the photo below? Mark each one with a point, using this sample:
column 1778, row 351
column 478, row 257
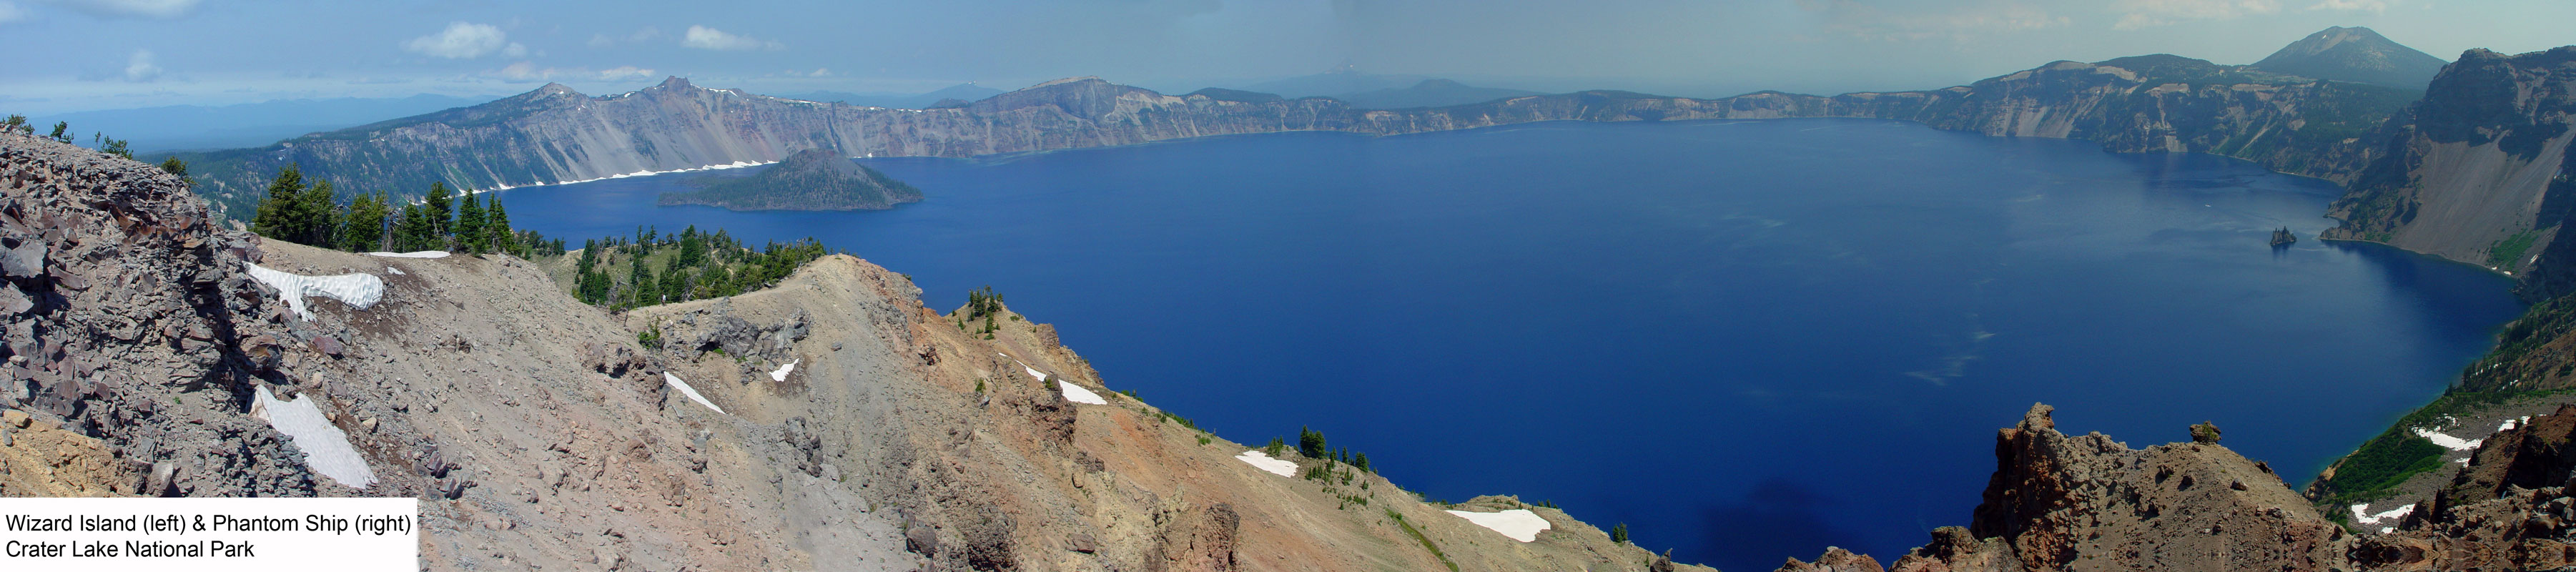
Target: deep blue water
column 1747, row 340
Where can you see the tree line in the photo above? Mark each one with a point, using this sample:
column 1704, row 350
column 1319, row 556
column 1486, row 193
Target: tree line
column 694, row 265
column 312, row 214
column 109, row 145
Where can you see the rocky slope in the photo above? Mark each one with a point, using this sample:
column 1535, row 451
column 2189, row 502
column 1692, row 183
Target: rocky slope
column 2479, row 170
column 2354, row 54
column 845, row 427
column 552, row 134
column 2060, row 502
column 809, row 180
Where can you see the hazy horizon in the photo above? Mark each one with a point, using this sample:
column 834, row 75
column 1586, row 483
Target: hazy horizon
column 116, row 54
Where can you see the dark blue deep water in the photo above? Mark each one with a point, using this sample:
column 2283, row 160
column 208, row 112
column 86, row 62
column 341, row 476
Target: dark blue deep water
column 1747, row 340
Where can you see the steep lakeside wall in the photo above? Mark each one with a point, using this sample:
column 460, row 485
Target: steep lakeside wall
column 554, row 135
column 2479, row 170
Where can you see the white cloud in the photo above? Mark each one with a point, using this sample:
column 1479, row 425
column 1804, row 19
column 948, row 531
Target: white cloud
column 10, row 12
column 463, row 40
column 2374, row 6
column 1961, row 22
column 130, row 8
column 529, row 72
column 2144, row 13
column 820, row 72
column 139, row 67
column 705, row 38
column 641, row 35
column 625, row 72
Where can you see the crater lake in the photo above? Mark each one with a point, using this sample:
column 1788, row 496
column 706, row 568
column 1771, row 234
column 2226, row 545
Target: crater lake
column 1746, row 340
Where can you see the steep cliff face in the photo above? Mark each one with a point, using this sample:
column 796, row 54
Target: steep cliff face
column 2154, row 103
column 2478, row 170
column 829, row 422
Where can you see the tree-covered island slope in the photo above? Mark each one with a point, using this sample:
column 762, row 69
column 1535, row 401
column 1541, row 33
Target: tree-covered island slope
column 808, row 180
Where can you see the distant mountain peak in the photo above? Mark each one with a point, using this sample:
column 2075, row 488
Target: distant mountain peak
column 2355, row 54
column 670, row 84
column 1083, row 79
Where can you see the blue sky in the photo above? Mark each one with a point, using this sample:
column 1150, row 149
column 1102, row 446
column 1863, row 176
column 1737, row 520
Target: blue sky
column 68, row 55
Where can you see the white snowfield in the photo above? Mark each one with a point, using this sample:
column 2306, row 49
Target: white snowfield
column 1077, row 394
column 357, row 290
column 2361, row 514
column 2446, row 441
column 1260, row 460
column 326, row 448
column 421, row 254
column 781, row 374
column 1033, row 372
column 692, row 392
column 1519, row 523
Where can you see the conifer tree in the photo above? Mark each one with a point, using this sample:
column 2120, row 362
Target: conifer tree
column 416, row 232
column 317, row 212
column 440, row 210
column 60, row 127
column 1310, row 443
column 503, row 239
column 469, row 225
column 363, row 229
column 650, row 289
column 175, row 167
column 276, row 209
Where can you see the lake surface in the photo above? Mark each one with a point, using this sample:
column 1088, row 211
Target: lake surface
column 1747, row 340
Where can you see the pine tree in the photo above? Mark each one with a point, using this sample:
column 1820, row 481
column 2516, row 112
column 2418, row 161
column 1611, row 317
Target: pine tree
column 693, row 247
column 1619, row 533
column 675, row 284
column 416, row 232
column 1310, row 443
column 644, row 283
column 363, row 229
column 439, row 208
column 503, row 239
column 1361, row 461
column 276, row 215
column 60, row 127
column 469, row 225
column 175, row 167
column 317, row 211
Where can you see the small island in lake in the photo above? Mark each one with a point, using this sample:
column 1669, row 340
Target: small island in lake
column 2282, row 237
column 810, row 180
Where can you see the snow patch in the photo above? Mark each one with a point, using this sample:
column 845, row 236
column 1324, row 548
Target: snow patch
column 1519, row 523
column 1260, row 460
column 326, row 448
column 393, row 271
column 692, row 392
column 2361, row 514
column 1077, row 394
column 357, row 290
column 1033, row 372
column 2448, row 442
column 421, row 254
column 643, row 173
column 781, row 374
